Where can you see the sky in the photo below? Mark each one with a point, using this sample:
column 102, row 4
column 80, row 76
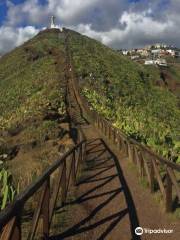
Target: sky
column 117, row 23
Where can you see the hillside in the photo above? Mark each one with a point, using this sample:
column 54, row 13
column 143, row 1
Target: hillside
column 33, row 121
column 98, row 179
column 128, row 95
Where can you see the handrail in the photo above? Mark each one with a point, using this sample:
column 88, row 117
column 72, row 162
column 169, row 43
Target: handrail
column 34, row 187
column 10, row 218
column 85, row 105
column 94, row 114
column 148, row 166
column 145, row 148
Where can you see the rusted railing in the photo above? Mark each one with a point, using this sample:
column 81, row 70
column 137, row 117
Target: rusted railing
column 11, row 217
column 160, row 173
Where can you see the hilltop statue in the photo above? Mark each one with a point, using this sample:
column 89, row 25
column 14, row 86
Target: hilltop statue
column 53, row 22
column 53, row 25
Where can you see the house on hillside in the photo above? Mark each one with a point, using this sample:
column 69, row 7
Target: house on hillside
column 171, row 52
column 149, row 62
column 161, row 62
column 156, row 51
column 177, row 54
column 134, row 57
column 125, row 52
column 143, row 52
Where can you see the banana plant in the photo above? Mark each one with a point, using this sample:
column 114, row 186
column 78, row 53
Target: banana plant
column 7, row 190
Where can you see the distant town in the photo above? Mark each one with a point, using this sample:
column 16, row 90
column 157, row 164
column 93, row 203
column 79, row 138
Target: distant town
column 157, row 54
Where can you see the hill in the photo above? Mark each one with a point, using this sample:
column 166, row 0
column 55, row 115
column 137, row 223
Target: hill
column 33, row 121
column 128, row 95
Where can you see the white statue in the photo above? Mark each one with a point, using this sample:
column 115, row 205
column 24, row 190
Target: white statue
column 53, row 22
column 53, row 25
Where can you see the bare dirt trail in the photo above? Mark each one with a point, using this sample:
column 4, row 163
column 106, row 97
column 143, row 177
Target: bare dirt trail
column 109, row 203
column 99, row 210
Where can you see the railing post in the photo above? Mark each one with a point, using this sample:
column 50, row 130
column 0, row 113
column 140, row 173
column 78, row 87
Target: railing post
column 55, row 194
column 103, row 126
column 126, row 147
column 151, row 184
column 119, row 142
column 137, row 159
column 45, row 209
column 142, row 169
column 97, row 122
column 64, row 183
column 130, row 152
column 168, row 200
column 109, row 128
column 105, row 129
column 84, row 152
column 12, row 230
column 17, row 231
column 114, row 136
column 74, row 168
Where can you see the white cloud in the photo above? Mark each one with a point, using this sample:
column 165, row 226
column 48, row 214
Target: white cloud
column 13, row 37
column 139, row 30
column 68, row 10
column 116, row 23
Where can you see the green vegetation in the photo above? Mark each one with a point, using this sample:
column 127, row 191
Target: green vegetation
column 124, row 92
column 26, row 75
column 32, row 102
column 8, row 191
column 31, row 107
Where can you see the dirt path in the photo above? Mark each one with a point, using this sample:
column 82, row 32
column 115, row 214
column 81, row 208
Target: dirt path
column 109, row 203
column 99, row 209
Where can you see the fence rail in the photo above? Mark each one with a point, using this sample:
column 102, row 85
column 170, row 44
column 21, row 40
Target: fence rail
column 68, row 167
column 11, row 217
column 160, row 173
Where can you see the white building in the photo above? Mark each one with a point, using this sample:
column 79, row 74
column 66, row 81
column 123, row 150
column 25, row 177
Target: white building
column 149, row 62
column 161, row 62
column 177, row 54
column 134, row 57
column 125, row 52
column 171, row 52
column 156, row 51
column 143, row 52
